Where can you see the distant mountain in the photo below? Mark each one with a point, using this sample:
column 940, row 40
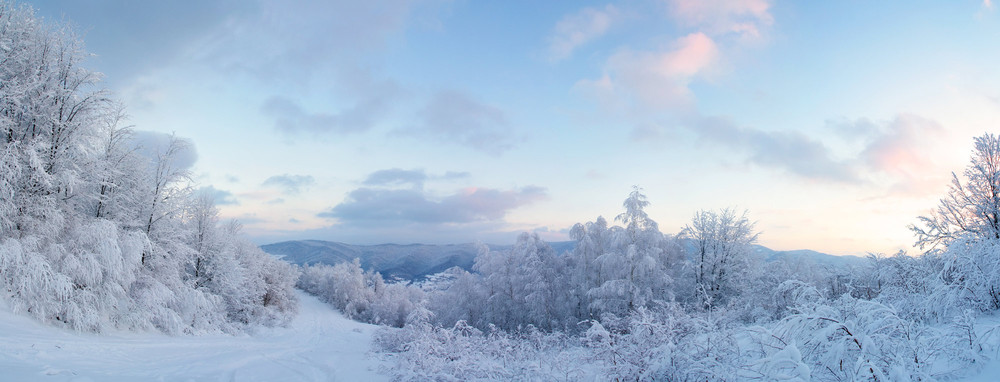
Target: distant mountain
column 418, row 261
column 393, row 261
column 808, row 255
column 768, row 255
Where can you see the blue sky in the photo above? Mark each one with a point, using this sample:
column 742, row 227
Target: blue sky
column 835, row 123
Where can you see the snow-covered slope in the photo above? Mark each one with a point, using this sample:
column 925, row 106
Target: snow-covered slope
column 319, row 345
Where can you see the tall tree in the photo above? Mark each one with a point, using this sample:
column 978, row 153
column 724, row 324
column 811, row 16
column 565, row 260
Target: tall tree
column 634, row 271
column 970, row 210
column 592, row 240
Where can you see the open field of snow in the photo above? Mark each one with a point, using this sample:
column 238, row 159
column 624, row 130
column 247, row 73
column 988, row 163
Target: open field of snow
column 319, row 345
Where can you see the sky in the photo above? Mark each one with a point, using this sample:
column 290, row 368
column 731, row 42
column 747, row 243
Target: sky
column 835, row 124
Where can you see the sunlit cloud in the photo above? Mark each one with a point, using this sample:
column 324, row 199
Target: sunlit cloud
column 655, row 79
column 903, row 150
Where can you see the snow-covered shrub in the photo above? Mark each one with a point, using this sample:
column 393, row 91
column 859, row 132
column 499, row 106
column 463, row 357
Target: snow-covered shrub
column 644, row 352
column 361, row 295
column 463, row 353
column 772, row 358
column 970, row 276
column 852, row 339
column 792, row 293
column 256, row 288
column 665, row 343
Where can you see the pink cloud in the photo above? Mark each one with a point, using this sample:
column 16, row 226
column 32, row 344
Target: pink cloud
column 695, row 52
column 579, row 28
column 742, row 17
column 656, row 79
column 902, row 150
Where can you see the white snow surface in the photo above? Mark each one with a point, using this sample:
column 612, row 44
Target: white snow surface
column 319, row 345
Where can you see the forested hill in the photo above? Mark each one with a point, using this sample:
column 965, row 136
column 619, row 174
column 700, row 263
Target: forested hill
column 417, row 261
column 393, row 261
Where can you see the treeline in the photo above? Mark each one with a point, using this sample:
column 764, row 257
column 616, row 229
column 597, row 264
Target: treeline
column 100, row 229
column 614, row 270
column 632, row 303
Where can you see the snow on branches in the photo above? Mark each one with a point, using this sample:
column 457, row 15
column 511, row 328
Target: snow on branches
column 94, row 235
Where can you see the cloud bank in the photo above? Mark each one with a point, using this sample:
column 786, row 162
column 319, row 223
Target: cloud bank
column 394, row 207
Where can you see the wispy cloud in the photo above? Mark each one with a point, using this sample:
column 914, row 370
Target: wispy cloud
column 415, row 178
column 790, row 151
column 366, row 100
column 152, row 145
column 579, row 28
column 452, row 175
column 220, row 197
column 396, row 177
column 290, row 118
column 746, row 18
column 131, row 38
column 896, row 151
column 295, row 39
column 290, row 184
column 456, row 117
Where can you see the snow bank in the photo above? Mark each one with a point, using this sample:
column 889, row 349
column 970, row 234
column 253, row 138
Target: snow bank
column 319, row 345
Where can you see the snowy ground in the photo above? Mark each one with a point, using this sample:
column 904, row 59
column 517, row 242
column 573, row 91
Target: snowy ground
column 320, row 345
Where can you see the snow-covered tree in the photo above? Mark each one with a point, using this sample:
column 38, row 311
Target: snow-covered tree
column 633, row 273
column 461, row 301
column 547, row 288
column 117, row 169
column 524, row 285
column 92, row 234
column 593, row 239
column 971, row 209
column 963, row 233
column 503, row 288
column 722, row 244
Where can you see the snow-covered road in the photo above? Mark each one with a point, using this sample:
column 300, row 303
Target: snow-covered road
column 319, row 345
